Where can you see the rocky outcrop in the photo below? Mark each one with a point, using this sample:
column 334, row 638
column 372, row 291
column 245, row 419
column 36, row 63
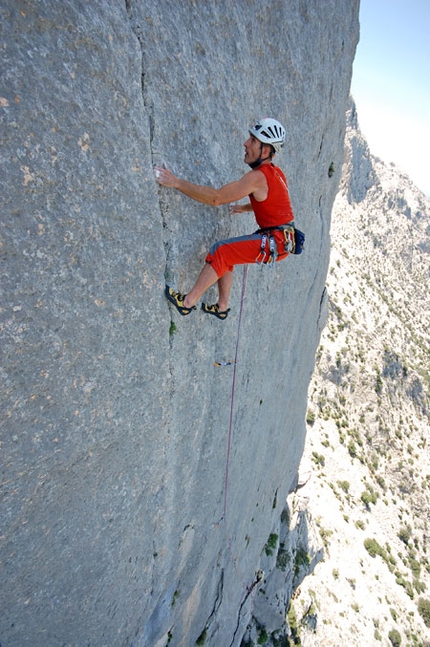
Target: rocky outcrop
column 120, row 526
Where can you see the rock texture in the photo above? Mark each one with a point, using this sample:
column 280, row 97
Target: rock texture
column 115, row 421
column 368, row 418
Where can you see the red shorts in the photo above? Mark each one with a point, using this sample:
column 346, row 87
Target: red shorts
column 244, row 249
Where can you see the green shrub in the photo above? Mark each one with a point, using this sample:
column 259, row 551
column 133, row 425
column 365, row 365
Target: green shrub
column 344, row 485
column 424, row 610
column 373, row 548
column 271, row 545
column 263, row 637
column 405, row 534
column 282, row 559
column 395, row 638
column 352, row 449
column 415, row 567
column 378, row 382
column 302, row 558
column 369, row 496
column 318, row 459
column 310, row 417
column 202, row 638
column 400, row 580
column 325, row 534
column 419, row 587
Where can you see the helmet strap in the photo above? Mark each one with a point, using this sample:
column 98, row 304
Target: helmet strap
column 260, row 160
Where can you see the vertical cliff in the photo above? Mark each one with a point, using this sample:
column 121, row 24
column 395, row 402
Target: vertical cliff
column 123, row 521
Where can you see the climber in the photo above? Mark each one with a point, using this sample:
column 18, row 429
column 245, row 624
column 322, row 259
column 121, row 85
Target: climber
column 266, row 187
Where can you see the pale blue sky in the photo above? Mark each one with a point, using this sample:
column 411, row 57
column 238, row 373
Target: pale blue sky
column 391, row 84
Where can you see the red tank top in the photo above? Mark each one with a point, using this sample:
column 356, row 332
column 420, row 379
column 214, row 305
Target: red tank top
column 276, row 208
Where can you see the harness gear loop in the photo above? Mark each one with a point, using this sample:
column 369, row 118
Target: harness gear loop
column 290, row 240
column 262, row 253
column 273, row 252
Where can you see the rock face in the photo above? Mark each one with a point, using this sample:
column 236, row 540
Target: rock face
column 120, row 526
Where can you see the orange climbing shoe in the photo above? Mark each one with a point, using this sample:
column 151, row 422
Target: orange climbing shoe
column 178, row 301
column 214, row 310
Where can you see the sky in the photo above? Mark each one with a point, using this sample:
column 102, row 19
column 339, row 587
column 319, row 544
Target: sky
column 391, row 84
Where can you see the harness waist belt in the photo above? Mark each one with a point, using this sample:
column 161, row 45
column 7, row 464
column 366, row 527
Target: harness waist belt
column 275, row 228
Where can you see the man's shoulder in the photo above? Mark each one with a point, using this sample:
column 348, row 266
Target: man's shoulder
column 270, row 168
column 253, row 174
column 280, row 173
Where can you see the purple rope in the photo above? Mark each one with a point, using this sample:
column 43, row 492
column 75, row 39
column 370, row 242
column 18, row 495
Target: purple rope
column 233, row 386
column 250, row 590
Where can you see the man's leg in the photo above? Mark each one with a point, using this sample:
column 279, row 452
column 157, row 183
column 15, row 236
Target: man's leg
column 206, row 278
column 223, row 255
column 224, row 287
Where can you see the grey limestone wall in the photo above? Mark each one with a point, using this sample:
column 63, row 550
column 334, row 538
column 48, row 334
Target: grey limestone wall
column 115, row 421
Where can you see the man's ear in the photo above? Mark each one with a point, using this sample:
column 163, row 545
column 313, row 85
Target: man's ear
column 267, row 151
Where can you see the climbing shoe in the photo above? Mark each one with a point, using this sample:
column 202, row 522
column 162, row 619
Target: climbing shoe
column 178, row 300
column 214, row 310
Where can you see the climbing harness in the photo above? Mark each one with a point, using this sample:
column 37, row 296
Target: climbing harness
column 294, row 241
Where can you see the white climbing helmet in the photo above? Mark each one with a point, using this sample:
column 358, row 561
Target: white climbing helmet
column 269, row 131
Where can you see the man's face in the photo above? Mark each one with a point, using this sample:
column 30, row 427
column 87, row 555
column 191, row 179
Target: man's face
column 252, row 150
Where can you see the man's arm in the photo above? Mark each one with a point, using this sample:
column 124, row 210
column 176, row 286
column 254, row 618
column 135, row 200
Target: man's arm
column 249, row 183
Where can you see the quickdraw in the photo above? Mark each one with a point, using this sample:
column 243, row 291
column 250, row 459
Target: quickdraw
column 272, row 252
column 262, row 253
column 290, row 240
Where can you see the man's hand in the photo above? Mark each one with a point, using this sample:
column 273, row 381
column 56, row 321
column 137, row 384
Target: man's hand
column 239, row 208
column 165, row 177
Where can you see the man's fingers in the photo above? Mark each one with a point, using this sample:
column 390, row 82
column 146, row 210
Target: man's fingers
column 162, row 175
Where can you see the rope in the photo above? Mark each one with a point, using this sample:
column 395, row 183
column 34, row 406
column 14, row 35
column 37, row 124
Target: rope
column 233, row 387
column 251, row 589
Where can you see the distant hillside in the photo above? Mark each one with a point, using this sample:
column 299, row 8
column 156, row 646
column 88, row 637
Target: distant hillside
column 367, row 454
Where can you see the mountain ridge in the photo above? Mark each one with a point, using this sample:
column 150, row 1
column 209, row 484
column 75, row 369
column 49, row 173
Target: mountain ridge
column 366, row 463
